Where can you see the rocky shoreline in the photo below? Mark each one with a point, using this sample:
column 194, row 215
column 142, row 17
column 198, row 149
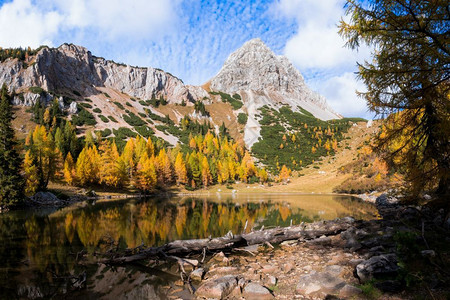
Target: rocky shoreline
column 368, row 260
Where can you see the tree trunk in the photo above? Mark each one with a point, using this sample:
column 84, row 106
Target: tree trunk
column 229, row 241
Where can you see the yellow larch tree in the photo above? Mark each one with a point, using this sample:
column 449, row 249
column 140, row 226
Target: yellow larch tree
column 206, row 172
column 69, row 170
column 180, row 169
column 31, row 176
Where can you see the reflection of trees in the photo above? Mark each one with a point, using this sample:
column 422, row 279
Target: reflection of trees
column 51, row 242
column 153, row 223
column 150, row 222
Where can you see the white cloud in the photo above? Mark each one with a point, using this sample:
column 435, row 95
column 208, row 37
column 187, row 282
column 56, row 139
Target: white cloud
column 320, row 53
column 32, row 23
column 23, row 24
column 118, row 18
column 340, row 92
column 317, row 43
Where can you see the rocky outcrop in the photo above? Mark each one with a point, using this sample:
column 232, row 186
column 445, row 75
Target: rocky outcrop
column 377, row 266
column 70, row 68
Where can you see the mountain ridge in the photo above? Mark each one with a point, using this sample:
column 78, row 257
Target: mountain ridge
column 252, row 72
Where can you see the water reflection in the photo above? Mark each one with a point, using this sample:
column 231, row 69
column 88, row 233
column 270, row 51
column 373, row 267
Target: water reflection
column 38, row 249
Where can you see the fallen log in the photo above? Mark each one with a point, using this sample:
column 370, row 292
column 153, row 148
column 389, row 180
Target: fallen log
column 230, row 241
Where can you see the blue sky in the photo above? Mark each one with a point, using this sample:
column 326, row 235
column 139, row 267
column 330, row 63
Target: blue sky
column 192, row 38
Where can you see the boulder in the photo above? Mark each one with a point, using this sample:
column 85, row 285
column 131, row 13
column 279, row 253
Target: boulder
column 221, row 271
column 349, row 291
column 218, row 288
column 45, row 199
column 255, row 291
column 377, row 266
column 197, row 274
column 73, row 108
column 319, row 283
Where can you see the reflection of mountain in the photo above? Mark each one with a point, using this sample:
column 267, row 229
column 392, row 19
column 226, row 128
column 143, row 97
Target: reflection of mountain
column 50, row 242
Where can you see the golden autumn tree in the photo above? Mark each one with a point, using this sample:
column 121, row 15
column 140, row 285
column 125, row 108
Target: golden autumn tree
column 180, row 169
column 69, row 170
column 408, row 76
column 88, row 164
column 145, row 179
column 109, row 171
column 47, row 156
column 285, row 173
column 206, row 172
column 163, row 168
column 31, row 174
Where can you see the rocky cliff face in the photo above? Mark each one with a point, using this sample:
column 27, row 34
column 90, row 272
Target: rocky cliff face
column 263, row 78
column 254, row 67
column 73, row 68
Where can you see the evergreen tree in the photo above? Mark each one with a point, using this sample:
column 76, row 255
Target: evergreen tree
column 11, row 180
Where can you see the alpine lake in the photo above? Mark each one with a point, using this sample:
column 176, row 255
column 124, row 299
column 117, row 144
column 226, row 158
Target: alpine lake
column 40, row 250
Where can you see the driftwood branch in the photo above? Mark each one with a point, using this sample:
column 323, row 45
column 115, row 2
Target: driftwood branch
column 230, row 241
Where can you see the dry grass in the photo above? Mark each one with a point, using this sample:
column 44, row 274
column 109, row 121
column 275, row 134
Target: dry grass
column 22, row 123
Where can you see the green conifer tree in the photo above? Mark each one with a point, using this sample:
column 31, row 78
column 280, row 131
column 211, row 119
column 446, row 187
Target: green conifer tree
column 11, row 180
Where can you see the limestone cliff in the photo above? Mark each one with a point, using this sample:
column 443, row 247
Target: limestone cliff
column 263, row 78
column 73, row 68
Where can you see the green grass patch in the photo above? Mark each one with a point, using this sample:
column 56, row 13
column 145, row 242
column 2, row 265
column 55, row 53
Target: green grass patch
column 234, row 101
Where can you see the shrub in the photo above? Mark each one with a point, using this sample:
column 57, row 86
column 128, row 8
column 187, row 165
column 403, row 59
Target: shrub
column 242, row 118
column 112, row 119
column 36, row 90
column 83, row 117
column 119, row 105
column 124, row 133
column 85, row 105
column 103, row 118
column 77, row 93
column 106, row 95
column 97, row 110
column 234, row 101
column 142, row 115
column 199, row 107
column 105, row 133
column 133, row 120
column 144, row 131
column 129, row 104
column 88, row 100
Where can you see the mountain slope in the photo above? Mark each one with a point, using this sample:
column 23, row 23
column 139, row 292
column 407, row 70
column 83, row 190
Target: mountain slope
column 266, row 91
column 263, row 78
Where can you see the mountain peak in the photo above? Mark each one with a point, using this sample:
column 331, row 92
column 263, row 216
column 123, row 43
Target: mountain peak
column 256, row 67
column 264, row 78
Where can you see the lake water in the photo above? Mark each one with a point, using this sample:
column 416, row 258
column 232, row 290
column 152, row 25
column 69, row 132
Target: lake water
column 39, row 249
